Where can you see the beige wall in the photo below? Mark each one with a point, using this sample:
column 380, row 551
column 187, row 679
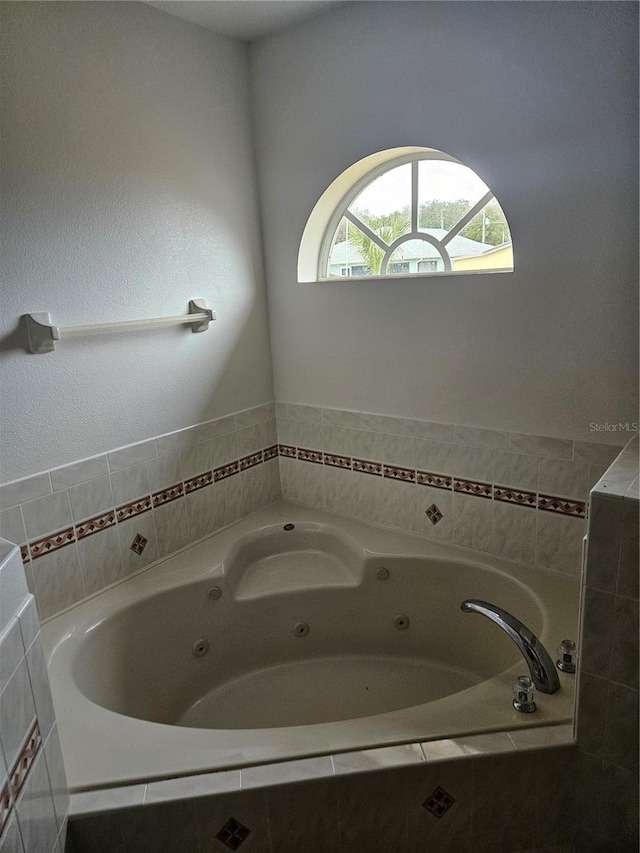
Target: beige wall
column 128, row 190
column 540, row 99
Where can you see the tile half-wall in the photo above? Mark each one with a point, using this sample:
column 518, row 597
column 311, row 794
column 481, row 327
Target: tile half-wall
column 92, row 523
column 520, row 496
column 87, row 525
column 608, row 698
column 494, row 792
column 34, row 800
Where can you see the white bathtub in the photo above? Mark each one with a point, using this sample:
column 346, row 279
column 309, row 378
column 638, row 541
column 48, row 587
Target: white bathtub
column 135, row 703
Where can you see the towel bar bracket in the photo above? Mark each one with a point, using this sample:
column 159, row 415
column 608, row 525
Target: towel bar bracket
column 41, row 334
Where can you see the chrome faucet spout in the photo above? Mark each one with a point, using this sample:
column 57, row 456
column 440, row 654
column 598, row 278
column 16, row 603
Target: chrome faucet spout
column 541, row 667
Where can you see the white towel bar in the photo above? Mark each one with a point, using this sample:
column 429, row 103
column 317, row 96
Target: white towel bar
column 42, row 334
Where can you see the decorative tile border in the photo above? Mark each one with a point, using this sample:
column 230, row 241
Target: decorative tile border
column 437, row 481
column 250, row 461
column 561, row 505
column 287, row 451
column 310, row 455
column 514, row 496
column 25, row 760
column 134, row 508
column 225, row 471
column 367, row 467
column 52, row 543
column 470, row 487
column 95, row 525
column 549, row 503
column 165, row 496
column 198, row 482
column 404, row 474
column 79, row 531
column 337, row 461
column 447, row 482
column 19, row 773
column 6, row 804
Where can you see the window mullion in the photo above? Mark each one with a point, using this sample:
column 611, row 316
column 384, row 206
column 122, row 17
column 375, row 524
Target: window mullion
column 366, row 230
column 466, row 219
column 414, row 195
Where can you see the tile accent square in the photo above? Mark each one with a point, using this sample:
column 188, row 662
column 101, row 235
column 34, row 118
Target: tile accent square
column 439, row 802
column 433, row 514
column 233, row 834
column 139, row 543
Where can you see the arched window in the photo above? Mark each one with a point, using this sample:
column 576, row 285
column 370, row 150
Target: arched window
column 405, row 212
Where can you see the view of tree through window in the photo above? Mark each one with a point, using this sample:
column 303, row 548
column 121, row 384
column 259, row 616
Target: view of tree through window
column 423, row 216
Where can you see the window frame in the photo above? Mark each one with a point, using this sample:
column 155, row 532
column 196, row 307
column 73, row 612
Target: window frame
column 414, row 157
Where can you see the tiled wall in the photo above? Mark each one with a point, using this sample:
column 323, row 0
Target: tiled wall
column 491, row 793
column 34, row 800
column 520, row 496
column 89, row 524
column 84, row 526
column 502, row 793
column 607, row 719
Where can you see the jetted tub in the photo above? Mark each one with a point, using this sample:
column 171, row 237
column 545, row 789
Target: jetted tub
column 264, row 643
